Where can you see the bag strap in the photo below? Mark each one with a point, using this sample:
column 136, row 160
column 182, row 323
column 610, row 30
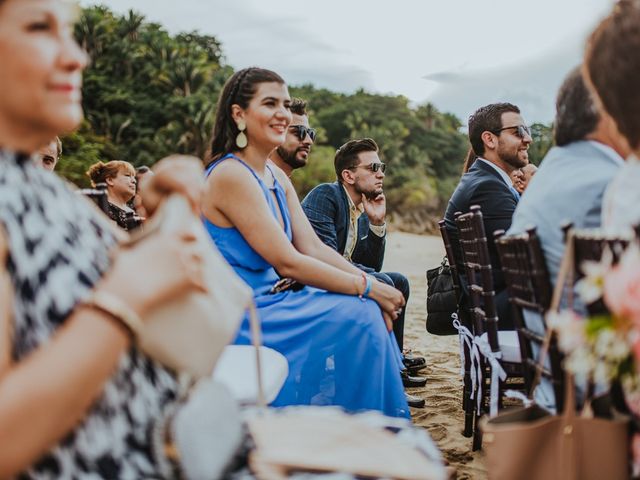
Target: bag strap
column 564, row 277
column 256, row 341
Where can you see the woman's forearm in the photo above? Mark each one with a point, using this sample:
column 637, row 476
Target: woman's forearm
column 328, row 255
column 317, row 273
column 48, row 393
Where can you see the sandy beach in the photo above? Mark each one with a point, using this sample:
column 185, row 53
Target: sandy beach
column 412, row 255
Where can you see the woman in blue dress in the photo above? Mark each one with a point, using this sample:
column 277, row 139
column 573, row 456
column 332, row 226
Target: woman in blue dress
column 339, row 346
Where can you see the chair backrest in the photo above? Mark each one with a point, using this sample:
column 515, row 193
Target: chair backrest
column 477, row 263
column 451, row 257
column 464, row 314
column 530, row 292
column 589, row 245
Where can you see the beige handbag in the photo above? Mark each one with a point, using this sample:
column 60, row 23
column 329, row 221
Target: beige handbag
column 324, row 439
column 529, row 443
column 189, row 333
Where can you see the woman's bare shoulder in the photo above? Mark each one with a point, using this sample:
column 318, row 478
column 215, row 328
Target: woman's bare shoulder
column 229, row 170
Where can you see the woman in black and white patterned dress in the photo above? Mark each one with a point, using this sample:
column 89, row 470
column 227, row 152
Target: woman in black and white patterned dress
column 77, row 400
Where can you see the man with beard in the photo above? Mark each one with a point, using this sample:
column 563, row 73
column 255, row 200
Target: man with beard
column 349, row 216
column 500, row 140
column 294, row 152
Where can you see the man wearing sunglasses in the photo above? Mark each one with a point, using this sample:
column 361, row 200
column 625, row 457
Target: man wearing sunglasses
column 500, row 140
column 349, row 216
column 294, row 152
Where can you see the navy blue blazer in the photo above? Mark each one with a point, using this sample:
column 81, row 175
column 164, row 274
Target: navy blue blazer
column 327, row 208
column 482, row 186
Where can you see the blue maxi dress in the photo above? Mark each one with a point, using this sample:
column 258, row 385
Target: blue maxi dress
column 337, row 346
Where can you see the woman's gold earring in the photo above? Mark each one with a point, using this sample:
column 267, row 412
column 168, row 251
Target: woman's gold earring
column 241, row 139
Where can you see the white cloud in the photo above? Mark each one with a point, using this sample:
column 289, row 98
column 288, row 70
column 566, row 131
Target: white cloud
column 476, row 50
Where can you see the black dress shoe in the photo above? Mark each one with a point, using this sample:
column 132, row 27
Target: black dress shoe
column 415, row 401
column 413, row 363
column 412, row 381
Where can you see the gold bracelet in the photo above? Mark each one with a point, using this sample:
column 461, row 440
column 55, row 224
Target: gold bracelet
column 117, row 309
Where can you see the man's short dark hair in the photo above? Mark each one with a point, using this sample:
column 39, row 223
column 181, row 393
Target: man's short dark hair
column 142, row 169
column 613, row 67
column 298, row 106
column 487, row 119
column 347, row 155
column 576, row 113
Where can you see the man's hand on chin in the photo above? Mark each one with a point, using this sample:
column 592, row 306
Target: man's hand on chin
column 375, row 208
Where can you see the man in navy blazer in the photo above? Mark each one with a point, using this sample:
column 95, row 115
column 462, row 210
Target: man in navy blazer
column 349, row 216
column 500, row 140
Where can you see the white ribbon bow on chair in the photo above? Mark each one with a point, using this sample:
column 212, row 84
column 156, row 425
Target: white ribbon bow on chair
column 467, row 338
column 497, row 373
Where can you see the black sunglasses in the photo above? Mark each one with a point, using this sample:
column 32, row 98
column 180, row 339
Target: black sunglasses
column 521, row 132
column 374, row 167
column 301, row 132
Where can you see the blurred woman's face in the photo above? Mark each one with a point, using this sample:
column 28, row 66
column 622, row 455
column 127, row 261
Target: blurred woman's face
column 40, row 67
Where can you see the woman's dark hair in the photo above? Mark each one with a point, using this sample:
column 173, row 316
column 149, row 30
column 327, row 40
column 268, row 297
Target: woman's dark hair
column 469, row 160
column 239, row 89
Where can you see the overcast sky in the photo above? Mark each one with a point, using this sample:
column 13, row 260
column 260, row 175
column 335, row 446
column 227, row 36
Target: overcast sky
column 458, row 54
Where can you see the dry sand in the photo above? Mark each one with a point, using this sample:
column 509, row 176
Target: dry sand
column 443, row 417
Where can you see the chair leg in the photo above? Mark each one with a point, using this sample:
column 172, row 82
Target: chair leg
column 468, row 405
column 484, row 390
column 477, row 435
column 467, row 402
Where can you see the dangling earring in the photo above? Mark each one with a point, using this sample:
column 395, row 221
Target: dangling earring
column 241, row 139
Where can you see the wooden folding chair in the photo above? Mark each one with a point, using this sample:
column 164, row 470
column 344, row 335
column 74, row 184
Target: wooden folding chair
column 590, row 245
column 498, row 352
column 464, row 318
column 530, row 291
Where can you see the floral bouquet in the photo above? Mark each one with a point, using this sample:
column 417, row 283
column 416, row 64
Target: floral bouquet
column 605, row 348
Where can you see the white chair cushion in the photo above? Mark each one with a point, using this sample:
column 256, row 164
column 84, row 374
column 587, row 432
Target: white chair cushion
column 509, row 345
column 236, row 368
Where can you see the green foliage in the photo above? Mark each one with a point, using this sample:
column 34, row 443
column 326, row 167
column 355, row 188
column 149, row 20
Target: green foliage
column 542, row 136
column 148, row 94
column 318, row 170
column 82, row 149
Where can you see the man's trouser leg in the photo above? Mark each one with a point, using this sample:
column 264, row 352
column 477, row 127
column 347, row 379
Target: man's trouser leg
column 400, row 282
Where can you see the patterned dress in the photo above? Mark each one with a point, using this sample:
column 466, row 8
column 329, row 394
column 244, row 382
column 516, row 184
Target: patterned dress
column 127, row 220
column 58, row 250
